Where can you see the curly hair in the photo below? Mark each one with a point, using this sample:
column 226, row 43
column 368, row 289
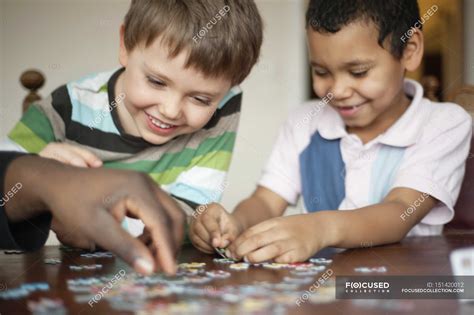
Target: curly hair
column 393, row 18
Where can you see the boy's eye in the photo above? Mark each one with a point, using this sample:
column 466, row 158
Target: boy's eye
column 359, row 74
column 155, row 82
column 203, row 101
column 320, row 73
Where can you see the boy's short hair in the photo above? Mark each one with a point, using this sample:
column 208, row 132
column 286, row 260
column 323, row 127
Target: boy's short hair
column 393, row 18
column 223, row 36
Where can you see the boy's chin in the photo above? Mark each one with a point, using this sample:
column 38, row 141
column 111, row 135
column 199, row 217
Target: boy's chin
column 156, row 139
column 358, row 123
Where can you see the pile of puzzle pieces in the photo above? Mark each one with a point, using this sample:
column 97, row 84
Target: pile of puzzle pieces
column 194, row 289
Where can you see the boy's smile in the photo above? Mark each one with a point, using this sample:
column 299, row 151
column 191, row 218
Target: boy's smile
column 365, row 79
column 163, row 97
column 348, row 111
column 159, row 126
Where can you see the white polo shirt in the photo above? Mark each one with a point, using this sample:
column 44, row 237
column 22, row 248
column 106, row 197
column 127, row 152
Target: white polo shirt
column 425, row 150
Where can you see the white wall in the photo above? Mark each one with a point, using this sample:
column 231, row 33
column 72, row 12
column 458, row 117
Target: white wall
column 67, row 39
column 275, row 86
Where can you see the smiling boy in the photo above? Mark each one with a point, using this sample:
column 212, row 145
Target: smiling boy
column 172, row 111
column 390, row 160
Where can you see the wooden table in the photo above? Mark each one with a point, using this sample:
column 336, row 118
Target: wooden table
column 414, row 256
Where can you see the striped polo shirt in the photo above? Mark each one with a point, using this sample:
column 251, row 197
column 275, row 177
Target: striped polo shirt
column 191, row 167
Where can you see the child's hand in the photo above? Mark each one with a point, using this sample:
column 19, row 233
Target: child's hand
column 71, row 238
column 69, row 154
column 214, row 227
column 91, row 221
column 284, row 239
column 146, row 239
column 94, row 204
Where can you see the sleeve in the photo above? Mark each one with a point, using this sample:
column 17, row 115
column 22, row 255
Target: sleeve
column 39, row 125
column 281, row 173
column 203, row 178
column 436, row 166
column 26, row 235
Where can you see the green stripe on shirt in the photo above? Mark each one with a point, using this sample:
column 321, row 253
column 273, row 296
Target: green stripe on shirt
column 224, row 143
column 215, row 160
column 26, row 138
column 38, row 123
column 218, row 160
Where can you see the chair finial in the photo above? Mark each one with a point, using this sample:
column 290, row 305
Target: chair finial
column 32, row 80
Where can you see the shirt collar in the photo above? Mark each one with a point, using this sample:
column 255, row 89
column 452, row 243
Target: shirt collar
column 331, row 126
column 403, row 133
column 407, row 129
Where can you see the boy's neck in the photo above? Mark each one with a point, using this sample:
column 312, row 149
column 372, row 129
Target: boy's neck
column 384, row 121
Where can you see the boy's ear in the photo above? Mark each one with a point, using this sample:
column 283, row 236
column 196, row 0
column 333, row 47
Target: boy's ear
column 123, row 53
column 413, row 53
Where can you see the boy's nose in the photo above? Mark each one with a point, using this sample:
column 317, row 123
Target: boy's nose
column 171, row 110
column 341, row 90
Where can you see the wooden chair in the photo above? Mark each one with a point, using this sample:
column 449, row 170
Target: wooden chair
column 431, row 86
column 464, row 208
column 464, row 96
column 32, row 80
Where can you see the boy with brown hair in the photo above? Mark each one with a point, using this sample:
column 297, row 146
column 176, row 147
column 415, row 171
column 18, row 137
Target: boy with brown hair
column 172, row 111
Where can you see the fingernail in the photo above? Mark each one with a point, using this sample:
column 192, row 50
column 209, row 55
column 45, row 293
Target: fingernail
column 144, row 265
column 78, row 164
column 172, row 271
column 225, row 243
column 228, row 253
column 245, row 259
